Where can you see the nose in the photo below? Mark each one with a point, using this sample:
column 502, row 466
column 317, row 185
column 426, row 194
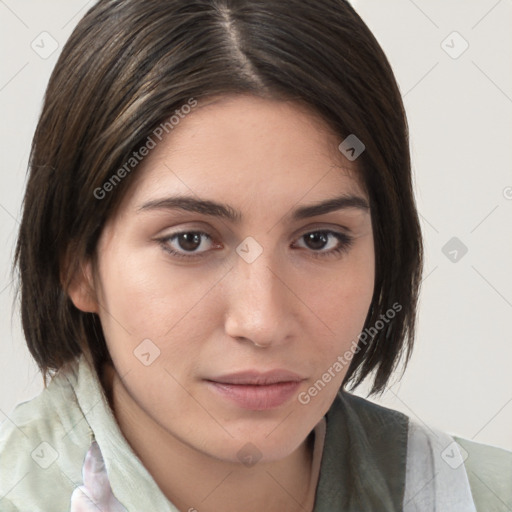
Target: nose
column 260, row 307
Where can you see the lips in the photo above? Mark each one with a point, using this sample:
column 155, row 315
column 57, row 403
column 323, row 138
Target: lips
column 253, row 377
column 257, row 390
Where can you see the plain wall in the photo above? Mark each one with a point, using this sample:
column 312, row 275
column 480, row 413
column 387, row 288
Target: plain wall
column 460, row 115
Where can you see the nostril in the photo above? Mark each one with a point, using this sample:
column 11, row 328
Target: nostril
column 255, row 343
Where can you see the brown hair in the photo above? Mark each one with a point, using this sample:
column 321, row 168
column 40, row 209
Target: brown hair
column 129, row 65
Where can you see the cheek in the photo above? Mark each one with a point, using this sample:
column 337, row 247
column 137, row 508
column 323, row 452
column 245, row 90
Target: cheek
column 343, row 317
column 342, row 298
column 343, row 310
column 150, row 298
column 342, row 303
column 155, row 319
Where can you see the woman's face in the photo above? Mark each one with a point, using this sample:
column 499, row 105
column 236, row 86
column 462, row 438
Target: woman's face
column 223, row 295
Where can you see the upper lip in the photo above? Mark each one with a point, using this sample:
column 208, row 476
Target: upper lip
column 254, row 377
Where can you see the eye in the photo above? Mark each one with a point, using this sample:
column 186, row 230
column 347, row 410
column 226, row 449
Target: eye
column 188, row 244
column 325, row 243
column 195, row 244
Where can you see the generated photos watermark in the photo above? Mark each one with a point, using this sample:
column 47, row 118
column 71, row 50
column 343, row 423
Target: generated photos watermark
column 151, row 142
column 344, row 360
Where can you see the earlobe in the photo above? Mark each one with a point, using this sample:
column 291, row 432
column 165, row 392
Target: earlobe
column 80, row 290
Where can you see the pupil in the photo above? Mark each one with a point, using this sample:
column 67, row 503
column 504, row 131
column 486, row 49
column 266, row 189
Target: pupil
column 316, row 240
column 190, row 241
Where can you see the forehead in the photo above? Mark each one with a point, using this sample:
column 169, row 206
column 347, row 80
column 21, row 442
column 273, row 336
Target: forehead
column 247, row 150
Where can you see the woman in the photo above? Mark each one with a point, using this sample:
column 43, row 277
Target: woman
column 219, row 238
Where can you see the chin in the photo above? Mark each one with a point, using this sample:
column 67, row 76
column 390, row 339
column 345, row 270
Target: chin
column 251, row 448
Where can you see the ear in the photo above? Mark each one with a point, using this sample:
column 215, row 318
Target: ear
column 81, row 290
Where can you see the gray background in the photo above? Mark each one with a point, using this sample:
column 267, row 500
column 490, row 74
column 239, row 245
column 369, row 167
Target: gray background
column 460, row 113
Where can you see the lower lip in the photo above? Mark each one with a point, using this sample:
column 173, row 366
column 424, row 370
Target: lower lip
column 257, row 398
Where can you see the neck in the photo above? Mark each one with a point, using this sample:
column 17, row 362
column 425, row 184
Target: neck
column 195, row 482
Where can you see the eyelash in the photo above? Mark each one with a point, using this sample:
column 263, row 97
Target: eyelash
column 345, row 243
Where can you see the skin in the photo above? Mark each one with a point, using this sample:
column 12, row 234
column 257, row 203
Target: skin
column 298, row 306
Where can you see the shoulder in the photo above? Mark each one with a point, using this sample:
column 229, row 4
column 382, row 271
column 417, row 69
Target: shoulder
column 42, row 413
column 379, row 420
column 39, row 441
column 372, row 430
column 363, row 442
column 489, row 472
column 479, row 476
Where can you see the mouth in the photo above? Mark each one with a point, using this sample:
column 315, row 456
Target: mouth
column 257, row 391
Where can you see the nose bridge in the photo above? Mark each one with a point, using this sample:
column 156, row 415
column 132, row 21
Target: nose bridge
column 257, row 308
column 259, row 281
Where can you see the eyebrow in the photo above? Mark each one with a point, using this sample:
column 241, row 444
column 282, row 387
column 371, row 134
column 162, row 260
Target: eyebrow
column 224, row 211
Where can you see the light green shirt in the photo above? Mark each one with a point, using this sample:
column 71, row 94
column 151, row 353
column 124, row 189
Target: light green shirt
column 65, row 445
